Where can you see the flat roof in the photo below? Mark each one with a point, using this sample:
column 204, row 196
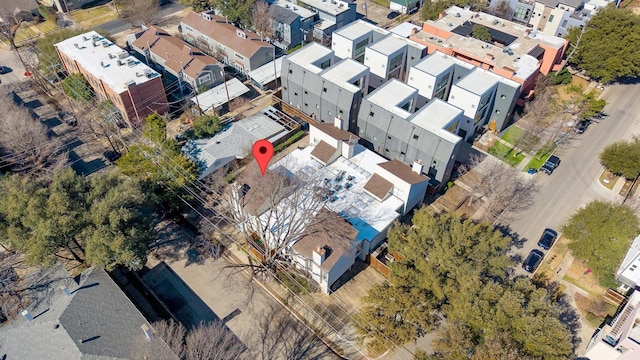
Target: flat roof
column 478, row 81
column 435, row 116
column 631, row 260
column 358, row 29
column 391, row 94
column 266, row 73
column 526, row 39
column 435, row 63
column 217, row 96
column 343, row 72
column 102, row 61
column 392, row 43
column 333, row 7
column 405, row 29
column 293, row 7
column 307, row 55
column 235, row 142
column 367, row 215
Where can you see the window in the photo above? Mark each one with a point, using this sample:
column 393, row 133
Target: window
column 325, row 64
column 360, row 48
column 395, row 62
column 239, row 56
column 564, row 24
column 204, row 79
column 415, row 137
column 317, row 106
column 521, row 14
column 550, row 18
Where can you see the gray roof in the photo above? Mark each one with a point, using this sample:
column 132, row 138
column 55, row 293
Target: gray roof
column 554, row 3
column 282, row 15
column 96, row 321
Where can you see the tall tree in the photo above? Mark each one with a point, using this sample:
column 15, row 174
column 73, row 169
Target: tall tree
column 101, row 220
column 237, row 11
column 262, row 19
column 601, row 234
column 198, row 5
column 439, row 255
column 76, row 87
column 622, row 158
column 25, row 144
column 609, row 46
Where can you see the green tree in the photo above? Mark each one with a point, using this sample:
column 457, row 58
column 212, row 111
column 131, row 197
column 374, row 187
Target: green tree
column 609, row 47
column 481, row 32
column 237, row 10
column 511, row 320
column 440, row 254
column 622, row 158
column 98, row 220
column 198, row 5
column 76, row 87
column 204, row 127
column 159, row 164
column 601, row 234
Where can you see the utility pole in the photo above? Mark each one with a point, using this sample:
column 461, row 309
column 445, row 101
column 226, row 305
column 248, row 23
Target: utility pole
column 224, row 78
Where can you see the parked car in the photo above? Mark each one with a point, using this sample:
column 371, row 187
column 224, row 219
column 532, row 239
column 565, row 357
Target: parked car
column 581, row 126
column 393, row 15
column 111, row 156
column 4, row 69
column 532, row 261
column 547, row 239
column 551, row 164
column 414, row 10
column 68, row 118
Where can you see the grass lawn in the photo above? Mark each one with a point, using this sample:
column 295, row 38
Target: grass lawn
column 89, row 18
column 512, row 134
column 541, row 156
column 384, row 3
column 23, row 33
column 47, row 26
column 505, row 153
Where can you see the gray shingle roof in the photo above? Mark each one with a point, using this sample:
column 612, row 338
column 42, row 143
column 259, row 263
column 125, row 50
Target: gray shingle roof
column 97, row 321
column 282, row 15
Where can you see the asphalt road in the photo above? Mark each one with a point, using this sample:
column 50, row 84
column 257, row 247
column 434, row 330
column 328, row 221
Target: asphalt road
column 119, row 25
column 575, row 182
column 9, row 59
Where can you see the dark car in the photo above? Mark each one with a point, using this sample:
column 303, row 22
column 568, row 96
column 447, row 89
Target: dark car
column 547, row 239
column 581, row 126
column 68, row 118
column 393, row 15
column 4, row 69
column 532, row 261
column 414, row 10
column 111, row 156
column 551, row 164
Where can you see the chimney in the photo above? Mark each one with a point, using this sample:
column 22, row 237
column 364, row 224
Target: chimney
column 27, row 315
column 417, row 166
column 348, row 148
column 65, row 290
column 319, row 255
column 147, row 331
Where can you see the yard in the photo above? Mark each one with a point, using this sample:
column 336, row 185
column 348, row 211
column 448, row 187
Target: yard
column 506, row 153
column 90, row 18
column 541, row 156
column 512, row 134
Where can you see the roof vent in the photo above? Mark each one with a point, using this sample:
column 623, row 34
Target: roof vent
column 120, row 63
column 105, row 44
column 111, row 56
column 85, row 38
column 77, row 46
column 131, row 63
column 95, row 44
column 102, row 64
column 450, row 24
column 122, row 55
column 139, row 74
column 147, row 332
column 495, row 22
column 27, row 315
column 149, row 74
column 457, row 15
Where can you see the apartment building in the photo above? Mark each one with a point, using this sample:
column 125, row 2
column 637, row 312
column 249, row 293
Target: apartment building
column 178, row 61
column 515, row 52
column 133, row 87
column 331, row 15
column 243, row 50
column 426, row 139
column 352, row 40
column 326, row 90
column 291, row 23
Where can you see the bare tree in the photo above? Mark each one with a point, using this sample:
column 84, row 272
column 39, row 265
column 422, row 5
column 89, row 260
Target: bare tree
column 282, row 336
column 502, row 9
column 274, row 211
column 9, row 24
column 213, row 341
column 262, row 19
column 140, row 11
column 238, row 103
column 102, row 122
column 25, row 144
column 12, row 297
column 503, row 188
column 173, row 334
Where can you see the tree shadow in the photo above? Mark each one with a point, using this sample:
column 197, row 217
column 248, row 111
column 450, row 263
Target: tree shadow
column 516, row 240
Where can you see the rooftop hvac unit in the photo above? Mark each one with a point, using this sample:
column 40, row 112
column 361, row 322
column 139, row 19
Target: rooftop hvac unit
column 85, row 38
column 105, row 44
column 131, row 62
column 123, row 55
column 111, row 56
column 120, row 62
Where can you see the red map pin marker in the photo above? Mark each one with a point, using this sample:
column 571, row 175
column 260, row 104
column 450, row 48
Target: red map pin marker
column 263, row 152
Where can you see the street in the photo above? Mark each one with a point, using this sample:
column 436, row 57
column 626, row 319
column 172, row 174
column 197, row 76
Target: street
column 120, row 25
column 575, row 182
